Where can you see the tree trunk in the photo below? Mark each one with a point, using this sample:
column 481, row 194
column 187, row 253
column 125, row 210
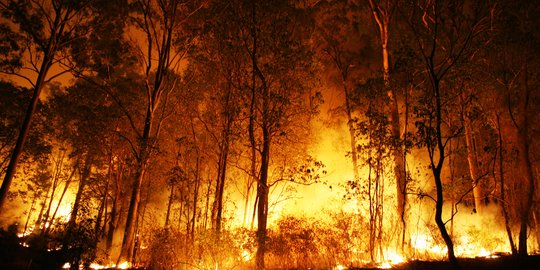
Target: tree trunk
column 126, row 252
column 472, row 158
column 504, row 204
column 114, row 217
column 168, row 215
column 68, row 181
column 55, row 180
column 85, row 174
column 25, row 128
column 382, row 16
column 436, row 168
column 350, row 122
column 262, row 208
column 528, row 186
column 523, row 142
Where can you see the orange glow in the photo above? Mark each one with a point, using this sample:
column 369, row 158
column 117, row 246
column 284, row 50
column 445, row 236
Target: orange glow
column 124, row 265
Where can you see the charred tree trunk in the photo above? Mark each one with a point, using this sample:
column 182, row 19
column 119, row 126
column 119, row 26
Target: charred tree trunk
column 114, row 217
column 504, row 204
column 528, row 188
column 436, row 167
column 57, row 27
column 84, row 175
column 169, row 205
column 528, row 185
column 25, row 128
column 521, row 124
column 195, row 198
column 262, row 207
column 126, row 252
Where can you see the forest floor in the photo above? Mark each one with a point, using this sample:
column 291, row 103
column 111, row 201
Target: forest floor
column 505, row 262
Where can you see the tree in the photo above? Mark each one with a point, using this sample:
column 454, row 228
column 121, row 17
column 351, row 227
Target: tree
column 280, row 88
column 383, row 13
column 444, row 31
column 160, row 23
column 44, row 31
column 510, row 64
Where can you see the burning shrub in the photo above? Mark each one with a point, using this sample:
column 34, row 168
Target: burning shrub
column 340, row 239
column 173, row 249
column 81, row 244
column 166, row 248
column 293, row 244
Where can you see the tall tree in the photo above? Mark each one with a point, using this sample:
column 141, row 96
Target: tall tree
column 444, row 32
column 44, row 30
column 511, row 64
column 279, row 91
column 383, row 13
column 160, row 23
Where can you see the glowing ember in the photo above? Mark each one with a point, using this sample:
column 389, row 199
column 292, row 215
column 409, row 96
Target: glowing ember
column 99, row 266
column 394, row 258
column 385, row 265
column 246, row 255
column 340, row 267
column 124, row 265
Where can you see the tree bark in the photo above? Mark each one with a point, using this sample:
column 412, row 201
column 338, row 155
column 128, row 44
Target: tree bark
column 262, row 208
column 504, row 204
column 472, row 157
column 437, row 169
column 25, row 128
column 382, row 16
column 50, row 47
column 126, row 252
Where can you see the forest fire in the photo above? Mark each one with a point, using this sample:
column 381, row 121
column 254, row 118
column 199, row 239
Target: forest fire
column 280, row 134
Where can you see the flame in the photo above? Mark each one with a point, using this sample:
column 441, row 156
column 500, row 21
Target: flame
column 124, row 265
column 393, row 258
column 246, row 255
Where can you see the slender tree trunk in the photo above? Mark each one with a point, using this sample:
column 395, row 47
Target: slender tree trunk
column 71, row 226
column 30, row 211
column 350, row 122
column 126, row 252
column 68, row 181
column 25, row 128
column 382, row 16
column 56, row 180
column 523, row 142
column 168, row 215
column 114, row 217
column 220, row 187
column 472, row 158
column 528, row 186
column 195, row 198
column 262, row 191
column 437, row 169
column 207, row 208
column 503, row 188
column 85, row 174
